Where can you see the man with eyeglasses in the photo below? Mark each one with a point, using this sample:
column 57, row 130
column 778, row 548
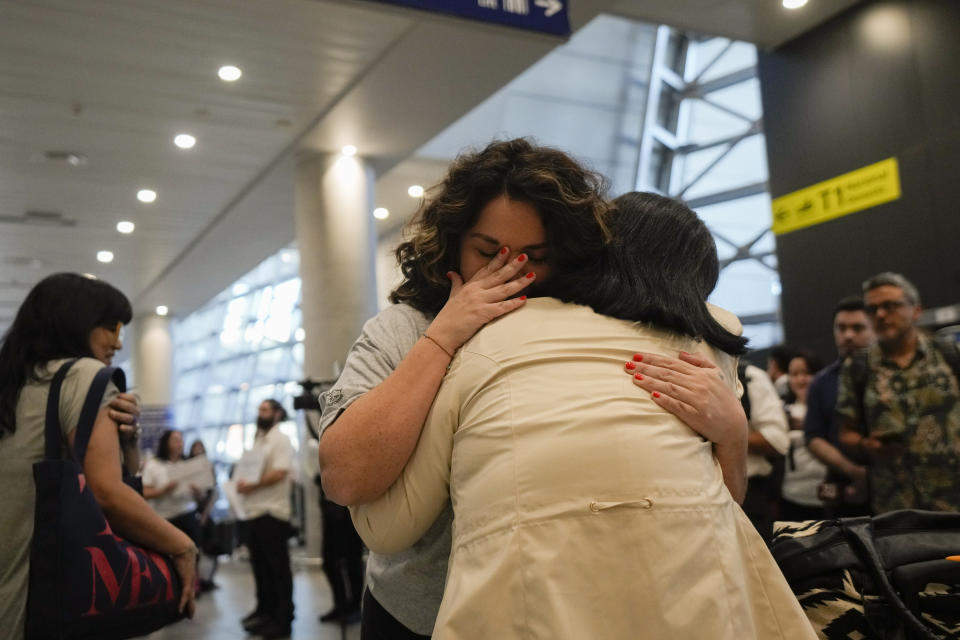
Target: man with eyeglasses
column 899, row 405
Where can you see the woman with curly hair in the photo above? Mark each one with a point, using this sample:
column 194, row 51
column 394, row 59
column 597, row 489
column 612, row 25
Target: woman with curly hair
column 581, row 508
column 501, row 221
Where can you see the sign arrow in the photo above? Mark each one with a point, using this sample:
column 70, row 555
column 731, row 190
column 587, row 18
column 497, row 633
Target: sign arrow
column 551, row 7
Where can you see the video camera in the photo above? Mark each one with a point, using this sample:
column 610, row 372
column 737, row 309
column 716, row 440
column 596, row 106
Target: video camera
column 309, row 400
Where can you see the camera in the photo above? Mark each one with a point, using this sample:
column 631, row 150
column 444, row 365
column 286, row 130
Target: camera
column 309, row 400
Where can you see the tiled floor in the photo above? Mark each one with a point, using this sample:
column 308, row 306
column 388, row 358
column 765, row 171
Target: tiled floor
column 219, row 611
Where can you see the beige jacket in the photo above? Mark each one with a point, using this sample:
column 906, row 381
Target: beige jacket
column 581, row 509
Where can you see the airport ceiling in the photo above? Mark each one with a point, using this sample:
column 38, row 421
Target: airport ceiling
column 92, row 93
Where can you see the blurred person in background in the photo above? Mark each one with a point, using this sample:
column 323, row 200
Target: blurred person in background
column 899, row 404
column 803, row 473
column 172, row 500
column 267, row 504
column 845, row 490
column 209, row 534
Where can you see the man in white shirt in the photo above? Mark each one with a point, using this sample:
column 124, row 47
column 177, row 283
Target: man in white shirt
column 267, row 503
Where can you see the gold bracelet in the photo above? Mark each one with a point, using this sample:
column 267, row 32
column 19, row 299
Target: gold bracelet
column 191, row 549
column 442, row 348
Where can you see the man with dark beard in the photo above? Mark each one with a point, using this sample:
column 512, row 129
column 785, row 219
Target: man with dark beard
column 267, row 502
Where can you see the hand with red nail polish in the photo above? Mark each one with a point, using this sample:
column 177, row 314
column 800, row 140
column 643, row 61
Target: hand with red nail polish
column 490, row 293
column 695, row 390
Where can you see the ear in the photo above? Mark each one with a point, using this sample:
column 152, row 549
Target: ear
column 917, row 312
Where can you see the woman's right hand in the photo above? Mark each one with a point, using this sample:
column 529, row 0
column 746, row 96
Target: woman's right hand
column 186, row 565
column 486, row 296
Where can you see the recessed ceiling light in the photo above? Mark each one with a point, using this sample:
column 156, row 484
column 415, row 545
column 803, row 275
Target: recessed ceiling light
column 349, row 150
column 105, row 256
column 162, row 310
column 415, row 191
column 72, row 158
column 146, row 195
column 184, row 141
column 125, row 227
column 380, row 213
column 229, row 73
column 90, row 276
column 793, row 4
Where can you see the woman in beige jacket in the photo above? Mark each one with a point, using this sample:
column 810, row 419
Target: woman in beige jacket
column 581, row 508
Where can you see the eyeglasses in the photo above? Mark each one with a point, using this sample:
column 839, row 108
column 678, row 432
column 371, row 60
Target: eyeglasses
column 888, row 306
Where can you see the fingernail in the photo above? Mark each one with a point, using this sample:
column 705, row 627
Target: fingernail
column 530, row 275
column 522, row 257
column 631, row 365
column 503, row 251
column 449, row 274
column 637, row 357
column 639, row 376
column 656, row 394
column 523, row 297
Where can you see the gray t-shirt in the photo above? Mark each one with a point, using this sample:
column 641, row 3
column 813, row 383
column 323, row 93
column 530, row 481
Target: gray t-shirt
column 408, row 584
column 18, row 452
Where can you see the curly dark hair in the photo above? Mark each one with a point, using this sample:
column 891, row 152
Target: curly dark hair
column 568, row 198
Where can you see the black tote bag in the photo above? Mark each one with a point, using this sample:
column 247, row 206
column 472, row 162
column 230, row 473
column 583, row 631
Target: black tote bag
column 86, row 583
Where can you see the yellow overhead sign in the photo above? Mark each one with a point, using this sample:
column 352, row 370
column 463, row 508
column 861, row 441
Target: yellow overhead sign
column 854, row 191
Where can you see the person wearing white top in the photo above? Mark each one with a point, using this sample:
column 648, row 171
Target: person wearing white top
column 803, row 473
column 172, row 500
column 267, row 504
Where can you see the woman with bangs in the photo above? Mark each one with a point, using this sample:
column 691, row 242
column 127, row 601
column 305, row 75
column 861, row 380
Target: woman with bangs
column 64, row 317
column 500, row 223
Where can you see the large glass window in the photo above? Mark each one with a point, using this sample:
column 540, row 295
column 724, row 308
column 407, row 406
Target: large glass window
column 655, row 109
column 238, row 350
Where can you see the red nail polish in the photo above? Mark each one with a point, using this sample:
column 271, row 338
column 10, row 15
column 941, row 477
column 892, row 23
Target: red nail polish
column 523, row 297
column 637, row 357
column 522, row 257
column 656, row 394
column 530, row 275
column 503, row 251
column 639, row 376
column 631, row 365
column 449, row 274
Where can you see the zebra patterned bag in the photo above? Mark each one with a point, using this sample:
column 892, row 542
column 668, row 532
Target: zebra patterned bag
column 883, row 578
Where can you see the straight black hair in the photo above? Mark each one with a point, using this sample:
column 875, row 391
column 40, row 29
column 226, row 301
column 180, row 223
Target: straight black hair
column 163, row 445
column 659, row 268
column 54, row 322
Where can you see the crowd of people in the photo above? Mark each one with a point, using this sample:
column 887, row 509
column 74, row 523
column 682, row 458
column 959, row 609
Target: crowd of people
column 551, row 433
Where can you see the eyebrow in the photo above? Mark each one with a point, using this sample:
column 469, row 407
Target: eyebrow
column 493, row 241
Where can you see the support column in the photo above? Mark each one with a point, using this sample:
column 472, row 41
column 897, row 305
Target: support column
column 337, row 242
column 152, row 360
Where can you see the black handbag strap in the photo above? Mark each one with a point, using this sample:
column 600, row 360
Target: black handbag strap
column 860, row 536
column 91, row 407
column 53, row 444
